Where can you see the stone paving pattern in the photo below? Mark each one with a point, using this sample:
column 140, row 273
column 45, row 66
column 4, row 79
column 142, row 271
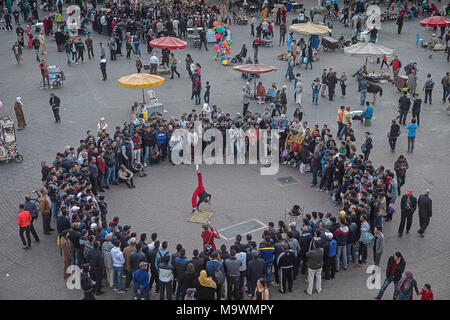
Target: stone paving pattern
column 161, row 201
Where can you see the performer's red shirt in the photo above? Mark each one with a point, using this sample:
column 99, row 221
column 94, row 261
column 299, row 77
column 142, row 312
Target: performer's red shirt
column 208, row 238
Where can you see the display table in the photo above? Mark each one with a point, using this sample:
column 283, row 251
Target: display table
column 210, row 36
column 153, row 110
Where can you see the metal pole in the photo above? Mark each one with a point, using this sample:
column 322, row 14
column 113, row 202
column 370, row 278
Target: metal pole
column 143, row 96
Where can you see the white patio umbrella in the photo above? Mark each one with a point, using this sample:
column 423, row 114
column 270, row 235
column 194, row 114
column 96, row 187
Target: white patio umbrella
column 367, row 49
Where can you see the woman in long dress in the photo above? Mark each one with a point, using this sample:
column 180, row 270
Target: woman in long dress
column 42, row 46
column 19, row 113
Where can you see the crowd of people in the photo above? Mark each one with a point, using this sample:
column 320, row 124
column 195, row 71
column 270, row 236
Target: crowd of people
column 318, row 244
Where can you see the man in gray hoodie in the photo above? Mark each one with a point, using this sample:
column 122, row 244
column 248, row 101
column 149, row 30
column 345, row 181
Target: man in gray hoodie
column 315, row 263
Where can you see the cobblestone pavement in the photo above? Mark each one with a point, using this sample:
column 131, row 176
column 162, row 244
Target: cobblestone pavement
column 161, row 201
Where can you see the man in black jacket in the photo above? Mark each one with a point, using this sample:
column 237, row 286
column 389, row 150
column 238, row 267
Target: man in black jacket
column 394, row 270
column 148, row 142
column 110, row 162
column 255, row 270
column 54, row 103
column 408, row 205
column 62, row 222
column 332, row 80
column 286, row 262
column 96, row 261
column 405, row 104
column 151, row 258
column 425, row 211
column 394, row 133
column 305, row 241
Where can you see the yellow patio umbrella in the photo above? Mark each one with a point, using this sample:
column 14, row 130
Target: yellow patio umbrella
column 141, row 80
column 309, row 29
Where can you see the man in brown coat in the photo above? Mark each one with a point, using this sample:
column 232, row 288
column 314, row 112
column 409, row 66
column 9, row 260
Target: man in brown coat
column 67, row 251
column 45, row 210
column 127, row 266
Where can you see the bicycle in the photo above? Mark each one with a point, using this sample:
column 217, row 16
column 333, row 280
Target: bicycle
column 38, row 195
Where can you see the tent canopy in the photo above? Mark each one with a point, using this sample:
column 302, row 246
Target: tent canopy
column 367, row 49
column 435, row 21
column 309, row 29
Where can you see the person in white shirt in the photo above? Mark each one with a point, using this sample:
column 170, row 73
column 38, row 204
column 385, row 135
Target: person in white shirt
column 242, row 257
column 118, row 262
column 154, row 62
column 176, row 146
column 207, row 109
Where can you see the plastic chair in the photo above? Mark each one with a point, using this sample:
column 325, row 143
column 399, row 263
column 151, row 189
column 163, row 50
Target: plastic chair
column 152, row 97
column 367, row 122
column 418, row 40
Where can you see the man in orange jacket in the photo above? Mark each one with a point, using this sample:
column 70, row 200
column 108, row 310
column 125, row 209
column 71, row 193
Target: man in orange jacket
column 24, row 222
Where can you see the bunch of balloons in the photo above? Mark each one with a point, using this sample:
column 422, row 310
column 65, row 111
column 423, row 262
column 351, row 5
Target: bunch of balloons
column 223, row 49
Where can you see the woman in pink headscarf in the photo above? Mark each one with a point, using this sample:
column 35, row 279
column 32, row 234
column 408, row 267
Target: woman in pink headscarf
column 406, row 285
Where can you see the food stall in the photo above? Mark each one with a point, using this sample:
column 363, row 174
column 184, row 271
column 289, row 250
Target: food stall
column 8, row 145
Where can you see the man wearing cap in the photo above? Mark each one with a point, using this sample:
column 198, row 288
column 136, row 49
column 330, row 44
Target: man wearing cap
column 425, row 211
column 141, row 282
column 408, row 205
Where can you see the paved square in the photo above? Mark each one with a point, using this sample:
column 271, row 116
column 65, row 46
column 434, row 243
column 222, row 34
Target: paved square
column 161, row 201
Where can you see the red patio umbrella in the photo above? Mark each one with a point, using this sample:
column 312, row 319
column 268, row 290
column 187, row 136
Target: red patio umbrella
column 255, row 69
column 170, row 43
column 435, row 21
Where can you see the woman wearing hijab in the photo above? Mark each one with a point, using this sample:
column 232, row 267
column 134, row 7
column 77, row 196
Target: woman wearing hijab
column 19, row 113
column 405, row 286
column 205, row 287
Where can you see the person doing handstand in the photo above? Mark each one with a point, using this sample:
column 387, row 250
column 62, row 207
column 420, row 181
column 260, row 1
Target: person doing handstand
column 199, row 192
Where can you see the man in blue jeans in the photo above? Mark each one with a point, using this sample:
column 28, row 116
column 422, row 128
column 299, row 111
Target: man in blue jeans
column 118, row 262
column 394, row 270
column 267, row 250
column 110, row 161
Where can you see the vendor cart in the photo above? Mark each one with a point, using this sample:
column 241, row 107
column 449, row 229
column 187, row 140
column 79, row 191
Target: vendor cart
column 329, row 43
column 401, row 82
column 8, row 146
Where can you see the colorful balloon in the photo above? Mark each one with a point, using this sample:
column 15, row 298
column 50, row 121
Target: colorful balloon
column 225, row 43
column 230, row 42
column 224, row 62
column 222, row 30
column 218, row 27
column 1, row 104
column 217, row 35
column 216, row 47
column 220, row 43
column 215, row 23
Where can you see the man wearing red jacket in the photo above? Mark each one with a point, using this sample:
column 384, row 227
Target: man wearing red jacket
column 101, row 170
column 396, row 65
column 24, row 222
column 341, row 236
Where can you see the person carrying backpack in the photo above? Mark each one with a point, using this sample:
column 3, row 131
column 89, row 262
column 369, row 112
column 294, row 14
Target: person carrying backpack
column 216, row 271
column 428, row 88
